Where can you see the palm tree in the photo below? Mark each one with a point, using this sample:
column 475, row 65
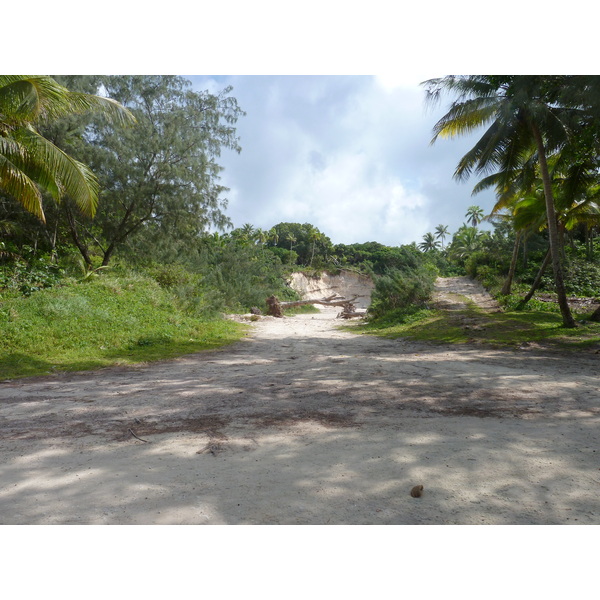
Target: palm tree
column 292, row 240
column 261, row 236
column 576, row 192
column 314, row 236
column 429, row 243
column 521, row 112
column 474, row 215
column 273, row 236
column 466, row 241
column 28, row 161
column 441, row 231
column 247, row 232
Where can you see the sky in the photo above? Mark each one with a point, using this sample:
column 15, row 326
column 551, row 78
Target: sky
column 349, row 154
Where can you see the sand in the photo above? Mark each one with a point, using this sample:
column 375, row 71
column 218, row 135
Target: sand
column 304, row 423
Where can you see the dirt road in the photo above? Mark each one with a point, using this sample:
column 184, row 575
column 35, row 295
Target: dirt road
column 302, row 423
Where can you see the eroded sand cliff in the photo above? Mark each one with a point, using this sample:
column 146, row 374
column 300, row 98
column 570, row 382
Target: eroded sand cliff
column 346, row 284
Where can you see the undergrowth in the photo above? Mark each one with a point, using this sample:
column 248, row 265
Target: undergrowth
column 474, row 326
column 101, row 322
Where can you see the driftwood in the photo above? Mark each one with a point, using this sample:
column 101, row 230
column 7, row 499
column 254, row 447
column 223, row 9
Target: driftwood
column 351, row 314
column 276, row 308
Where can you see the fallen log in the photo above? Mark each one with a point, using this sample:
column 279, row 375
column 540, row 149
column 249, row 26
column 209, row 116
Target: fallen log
column 275, row 307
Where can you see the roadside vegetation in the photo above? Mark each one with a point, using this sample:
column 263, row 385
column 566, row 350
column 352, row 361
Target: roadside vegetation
column 105, row 321
column 110, row 198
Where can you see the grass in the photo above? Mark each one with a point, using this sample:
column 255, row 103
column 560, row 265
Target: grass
column 98, row 323
column 472, row 325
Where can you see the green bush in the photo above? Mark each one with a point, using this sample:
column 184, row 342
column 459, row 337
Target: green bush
column 482, row 258
column 27, row 276
column 401, row 290
column 169, row 276
column 582, row 278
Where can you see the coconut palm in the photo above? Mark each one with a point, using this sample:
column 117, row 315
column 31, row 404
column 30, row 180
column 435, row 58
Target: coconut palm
column 292, row 240
column 247, row 232
column 576, row 192
column 466, row 241
column 521, row 113
column 28, row 161
column 429, row 243
column 441, row 231
column 273, row 236
column 474, row 215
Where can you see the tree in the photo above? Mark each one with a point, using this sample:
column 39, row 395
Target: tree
column 305, row 239
column 521, row 112
column 474, row 215
column 465, row 241
column 28, row 160
column 261, row 236
column 576, row 191
column 441, row 231
column 273, row 236
column 291, row 239
column 160, row 178
column 429, row 243
column 314, row 236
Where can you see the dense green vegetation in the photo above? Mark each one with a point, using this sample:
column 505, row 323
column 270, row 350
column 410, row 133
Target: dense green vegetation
column 108, row 208
column 99, row 322
column 510, row 329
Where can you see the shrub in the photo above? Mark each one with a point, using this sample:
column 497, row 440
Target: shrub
column 169, row 276
column 26, row 277
column 482, row 258
column 401, row 289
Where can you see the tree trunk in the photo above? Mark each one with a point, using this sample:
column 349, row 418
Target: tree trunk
column 505, row 291
column 596, row 315
column 275, row 308
column 538, row 279
column 75, row 235
column 555, row 248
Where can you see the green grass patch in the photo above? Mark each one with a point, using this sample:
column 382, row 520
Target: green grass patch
column 101, row 322
column 471, row 325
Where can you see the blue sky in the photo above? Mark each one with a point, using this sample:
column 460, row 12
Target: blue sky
column 348, row 154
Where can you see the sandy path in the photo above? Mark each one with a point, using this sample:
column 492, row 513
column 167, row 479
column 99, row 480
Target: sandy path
column 304, row 423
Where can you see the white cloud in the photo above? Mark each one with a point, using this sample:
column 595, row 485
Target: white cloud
column 351, row 201
column 345, row 155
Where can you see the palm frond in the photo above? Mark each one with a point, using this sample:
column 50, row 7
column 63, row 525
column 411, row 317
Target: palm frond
column 16, row 183
column 59, row 173
column 31, row 98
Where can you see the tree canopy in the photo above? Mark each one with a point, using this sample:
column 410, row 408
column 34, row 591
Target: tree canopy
column 524, row 116
column 28, row 160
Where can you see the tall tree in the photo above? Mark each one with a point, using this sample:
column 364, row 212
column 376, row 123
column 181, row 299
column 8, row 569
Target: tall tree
column 160, row 178
column 465, row 241
column 429, row 243
column 441, row 231
column 474, row 215
column 520, row 112
column 291, row 239
column 28, row 160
